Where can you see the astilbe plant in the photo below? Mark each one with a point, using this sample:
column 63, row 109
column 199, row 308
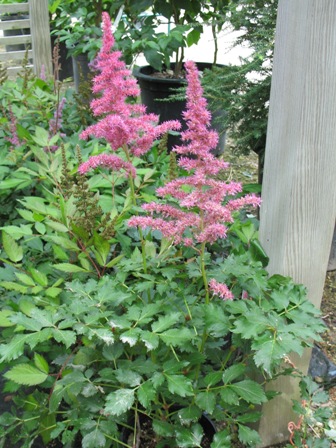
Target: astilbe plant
column 103, row 331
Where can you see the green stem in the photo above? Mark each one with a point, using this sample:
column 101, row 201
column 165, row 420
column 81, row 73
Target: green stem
column 133, row 197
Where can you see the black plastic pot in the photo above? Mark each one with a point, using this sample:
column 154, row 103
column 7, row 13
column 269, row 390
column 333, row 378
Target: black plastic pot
column 154, row 89
column 81, row 69
column 208, row 426
column 65, row 61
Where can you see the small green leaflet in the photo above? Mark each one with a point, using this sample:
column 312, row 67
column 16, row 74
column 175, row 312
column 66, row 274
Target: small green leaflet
column 119, row 401
column 26, row 374
column 206, row 401
column 12, row 249
column 221, row 439
column 69, row 268
column 248, row 436
column 146, row 394
column 250, row 391
column 233, row 372
column 189, row 437
column 177, row 337
column 94, row 439
column 179, row 385
column 41, row 363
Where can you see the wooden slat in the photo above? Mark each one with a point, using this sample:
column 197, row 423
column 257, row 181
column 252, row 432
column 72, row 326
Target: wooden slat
column 13, row 71
column 15, row 24
column 12, row 40
column 15, row 55
column 13, row 8
column 39, row 17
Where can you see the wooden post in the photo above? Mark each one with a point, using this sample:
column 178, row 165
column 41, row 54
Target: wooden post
column 299, row 189
column 40, row 31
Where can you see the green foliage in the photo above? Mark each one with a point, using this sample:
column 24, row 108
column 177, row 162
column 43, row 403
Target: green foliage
column 101, row 322
column 316, row 425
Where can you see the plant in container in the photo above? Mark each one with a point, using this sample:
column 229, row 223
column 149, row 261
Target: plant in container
column 149, row 318
column 166, row 29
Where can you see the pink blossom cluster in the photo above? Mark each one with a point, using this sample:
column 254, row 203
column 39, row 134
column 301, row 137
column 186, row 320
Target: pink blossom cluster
column 110, row 161
column 220, row 289
column 203, row 205
column 124, row 122
column 14, row 138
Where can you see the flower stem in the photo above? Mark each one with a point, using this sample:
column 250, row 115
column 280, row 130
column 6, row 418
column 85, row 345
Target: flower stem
column 133, row 197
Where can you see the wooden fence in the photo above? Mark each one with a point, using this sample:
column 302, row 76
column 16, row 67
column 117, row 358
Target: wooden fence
column 25, row 29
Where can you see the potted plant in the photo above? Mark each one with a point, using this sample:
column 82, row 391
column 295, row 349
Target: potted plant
column 115, row 315
column 164, row 32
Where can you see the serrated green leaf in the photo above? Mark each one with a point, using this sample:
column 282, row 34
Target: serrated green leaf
column 250, row 391
column 26, row 322
column 115, row 261
column 222, row 439
column 233, row 372
column 177, row 337
column 24, row 278
column 146, row 394
column 228, row 396
column 69, row 268
column 150, row 340
column 130, row 337
column 12, row 249
column 39, row 277
column 94, row 439
column 15, row 347
column 11, row 286
column 7, row 419
column 189, row 437
column 119, row 402
column 179, row 385
column 26, row 374
column 17, row 232
column 4, row 321
column 63, row 242
column 128, row 377
column 41, row 363
column 165, row 322
column 248, row 436
column 41, row 136
column 206, row 401
column 65, row 337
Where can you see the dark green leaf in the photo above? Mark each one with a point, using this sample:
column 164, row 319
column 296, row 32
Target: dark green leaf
column 120, row 401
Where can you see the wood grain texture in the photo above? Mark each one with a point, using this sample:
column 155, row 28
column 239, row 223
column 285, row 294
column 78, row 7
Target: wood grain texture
column 299, row 188
column 40, row 31
column 14, row 7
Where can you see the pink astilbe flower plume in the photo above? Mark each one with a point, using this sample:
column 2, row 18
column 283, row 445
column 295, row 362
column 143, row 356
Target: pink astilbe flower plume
column 123, row 123
column 203, row 205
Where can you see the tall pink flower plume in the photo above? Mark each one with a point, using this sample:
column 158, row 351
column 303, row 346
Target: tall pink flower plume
column 123, row 123
column 202, row 205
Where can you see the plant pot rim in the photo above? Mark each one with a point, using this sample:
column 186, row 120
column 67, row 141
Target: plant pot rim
column 145, row 72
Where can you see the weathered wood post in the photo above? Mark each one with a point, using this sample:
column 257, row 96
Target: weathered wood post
column 40, row 31
column 299, row 189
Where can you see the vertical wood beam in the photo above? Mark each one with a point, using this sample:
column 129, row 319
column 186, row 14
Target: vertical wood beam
column 40, row 31
column 299, row 189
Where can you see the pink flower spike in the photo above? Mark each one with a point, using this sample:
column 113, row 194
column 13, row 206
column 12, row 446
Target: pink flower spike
column 220, row 289
column 110, row 161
